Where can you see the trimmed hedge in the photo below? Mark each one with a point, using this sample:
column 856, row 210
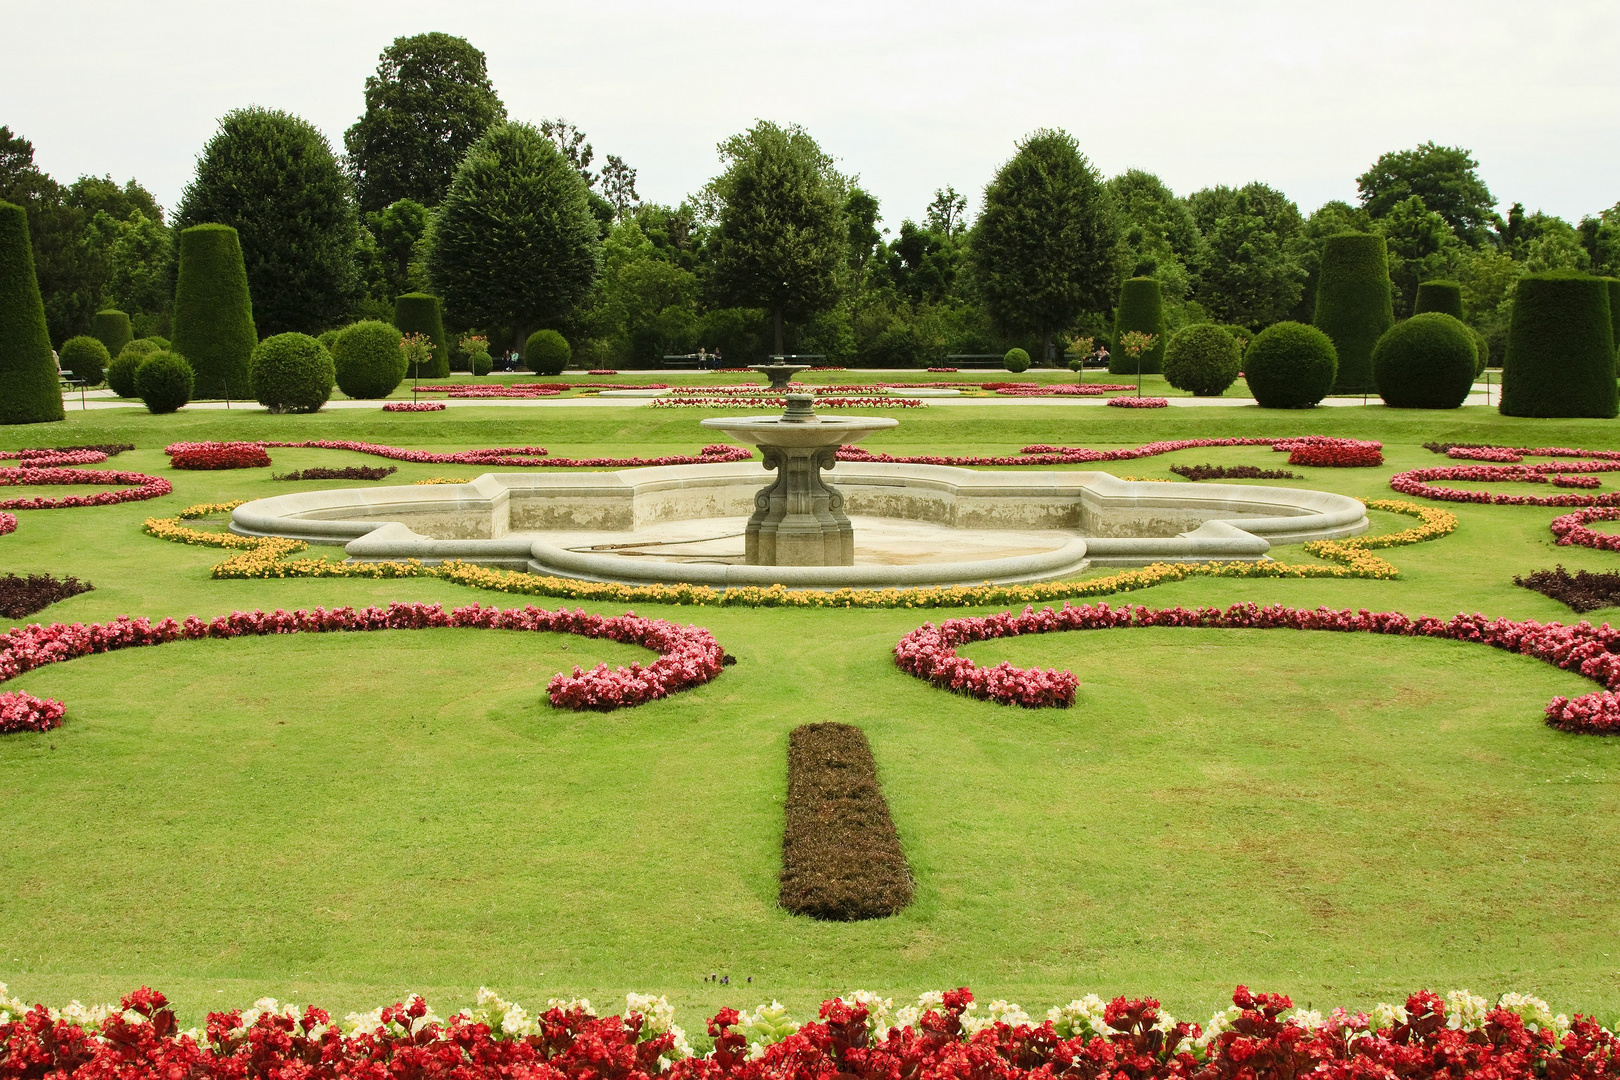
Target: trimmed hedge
column 368, row 360
column 31, row 392
column 291, row 373
column 112, row 329
column 164, row 381
column 1141, row 308
column 1290, row 365
column 213, row 315
column 1426, row 362
column 85, row 358
column 1560, row 352
column 546, row 352
column 1016, row 361
column 419, row 313
column 1442, row 296
column 1241, row 334
column 163, row 343
column 1614, row 315
column 1354, row 305
column 121, row 372
column 841, row 856
column 1203, row 359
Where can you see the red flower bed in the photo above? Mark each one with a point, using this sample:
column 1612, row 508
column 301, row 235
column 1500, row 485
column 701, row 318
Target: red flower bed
column 1139, row 402
column 929, row 652
column 501, row 456
column 218, row 455
column 47, row 458
column 689, row 656
column 941, row 369
column 25, row 712
column 414, row 406
column 1337, row 454
column 1043, row 454
column 8, row 523
column 1560, row 480
column 142, row 487
column 1007, row 389
column 1571, row 529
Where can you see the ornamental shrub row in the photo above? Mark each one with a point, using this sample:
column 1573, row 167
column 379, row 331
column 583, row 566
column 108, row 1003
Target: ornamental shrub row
column 367, row 359
column 547, row 352
column 1289, row 365
column 164, row 381
column 291, row 373
column 1560, row 358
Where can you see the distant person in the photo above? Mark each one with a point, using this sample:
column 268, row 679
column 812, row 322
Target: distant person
column 716, row 359
column 1101, row 356
column 703, row 359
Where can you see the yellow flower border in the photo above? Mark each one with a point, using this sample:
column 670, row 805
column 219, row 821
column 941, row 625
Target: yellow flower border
column 267, row 557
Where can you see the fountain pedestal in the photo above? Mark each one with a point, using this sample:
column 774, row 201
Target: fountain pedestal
column 799, row 519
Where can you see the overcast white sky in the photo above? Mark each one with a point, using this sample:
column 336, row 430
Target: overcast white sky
column 911, row 96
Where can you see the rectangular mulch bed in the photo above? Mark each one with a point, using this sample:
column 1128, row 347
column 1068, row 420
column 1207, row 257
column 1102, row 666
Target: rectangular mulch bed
column 841, row 856
column 20, row 597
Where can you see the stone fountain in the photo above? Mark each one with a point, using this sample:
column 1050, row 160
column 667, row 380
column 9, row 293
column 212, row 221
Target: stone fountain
column 799, row 520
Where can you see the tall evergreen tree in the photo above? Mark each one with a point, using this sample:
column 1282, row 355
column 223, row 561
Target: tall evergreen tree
column 29, row 392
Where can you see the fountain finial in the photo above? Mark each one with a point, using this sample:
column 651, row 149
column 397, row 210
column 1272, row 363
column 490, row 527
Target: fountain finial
column 800, row 409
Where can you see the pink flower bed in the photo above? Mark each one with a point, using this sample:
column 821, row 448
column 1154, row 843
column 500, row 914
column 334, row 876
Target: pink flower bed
column 218, row 455
column 1571, row 529
column 47, row 459
column 941, row 370
column 414, row 406
column 929, row 652
column 688, row 656
column 1560, row 480
column 602, row 371
column 1043, row 454
column 698, row 402
column 25, row 712
column 1139, row 402
column 142, row 487
column 8, row 523
column 1006, row 389
column 1421, row 483
column 503, row 456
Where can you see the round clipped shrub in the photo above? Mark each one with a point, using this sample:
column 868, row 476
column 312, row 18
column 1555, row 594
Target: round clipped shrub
column 163, row 343
column 368, row 360
column 111, row 328
column 164, row 381
column 121, row 372
column 1202, row 359
column 1289, row 365
column 327, row 338
column 84, row 357
column 419, row 313
column 1354, row 306
column 29, row 390
column 1482, row 351
column 1141, row 308
column 1442, row 296
column 1426, row 362
column 213, row 316
column 291, row 373
column 1016, row 361
column 1240, row 334
column 1560, row 351
column 481, row 363
column 546, row 352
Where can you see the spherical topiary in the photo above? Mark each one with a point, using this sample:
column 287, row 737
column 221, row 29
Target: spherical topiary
column 213, row 317
column 1203, row 359
column 481, row 363
column 164, row 381
column 1141, row 308
column 1354, row 305
column 1289, row 365
column 327, row 338
column 1482, row 352
column 1426, row 362
column 1443, row 296
column 29, row 390
column 546, row 352
column 1240, row 334
column 111, row 328
column 419, row 313
column 368, row 360
column 163, row 343
column 85, row 358
column 1560, row 351
column 1016, row 361
column 121, row 372
column 291, row 373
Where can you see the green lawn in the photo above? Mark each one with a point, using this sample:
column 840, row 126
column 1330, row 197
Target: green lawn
column 342, row 819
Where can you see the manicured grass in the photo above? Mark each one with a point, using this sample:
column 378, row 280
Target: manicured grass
column 1343, row 818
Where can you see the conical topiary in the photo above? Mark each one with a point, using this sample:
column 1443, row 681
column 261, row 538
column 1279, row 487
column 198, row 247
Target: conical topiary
column 29, row 390
column 1442, row 296
column 111, row 328
column 1560, row 352
column 213, row 315
column 1354, row 306
column 1141, row 308
column 1614, row 315
column 419, row 313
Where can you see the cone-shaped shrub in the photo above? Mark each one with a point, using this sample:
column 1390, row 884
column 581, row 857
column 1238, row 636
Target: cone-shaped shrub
column 419, row 313
column 1426, row 362
column 1016, row 361
column 1614, row 315
column 121, row 372
column 1202, row 359
column 1141, row 308
column 1353, row 304
column 164, row 381
column 291, row 373
column 1442, row 296
column 546, row 352
column 29, row 390
column 368, row 359
column 111, row 328
column 1560, row 352
column 213, row 316
column 85, row 358
column 1289, row 365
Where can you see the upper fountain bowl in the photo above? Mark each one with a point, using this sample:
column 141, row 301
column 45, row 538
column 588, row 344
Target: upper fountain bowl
column 800, row 427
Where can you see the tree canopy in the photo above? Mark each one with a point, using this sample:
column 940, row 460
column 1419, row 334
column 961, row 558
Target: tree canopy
column 1444, row 177
column 1249, row 272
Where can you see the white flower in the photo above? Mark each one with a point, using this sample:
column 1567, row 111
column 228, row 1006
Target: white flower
column 906, row 1016
column 658, row 1015
column 1309, row 1019
column 1465, row 1011
column 1386, row 1016
column 1083, row 1016
column 1535, row 1013
column 571, row 1005
column 364, row 1023
column 879, row 1010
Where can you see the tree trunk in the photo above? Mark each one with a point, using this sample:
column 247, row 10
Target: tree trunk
column 776, row 317
column 1046, row 347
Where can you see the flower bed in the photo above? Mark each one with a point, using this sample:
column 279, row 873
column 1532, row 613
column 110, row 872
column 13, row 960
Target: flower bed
column 21, row 597
column 603, row 371
column 414, row 406
column 8, row 523
column 1560, row 480
column 688, row 656
column 47, row 459
column 1005, row 389
column 940, row 369
column 929, row 652
column 25, row 712
column 503, row 456
column 140, row 487
column 1231, row 472
column 772, row 403
column 1336, row 454
column 1139, row 402
column 1044, row 454
column 353, row 472
column 218, row 455
column 1421, row 483
column 1571, row 529
column 859, row 1036
column 841, row 857
column 1582, row 591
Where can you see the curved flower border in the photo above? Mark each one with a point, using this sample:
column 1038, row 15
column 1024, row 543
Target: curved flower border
column 929, row 652
column 506, row 456
column 688, row 656
column 25, row 712
column 1571, row 529
column 1363, row 452
column 142, row 487
column 1507, row 465
column 8, row 523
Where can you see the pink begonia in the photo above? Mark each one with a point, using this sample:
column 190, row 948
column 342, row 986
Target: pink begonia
column 46, row 459
column 1571, row 529
column 1139, row 402
column 8, row 523
column 143, row 487
column 502, row 456
column 414, row 406
column 1043, row 454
